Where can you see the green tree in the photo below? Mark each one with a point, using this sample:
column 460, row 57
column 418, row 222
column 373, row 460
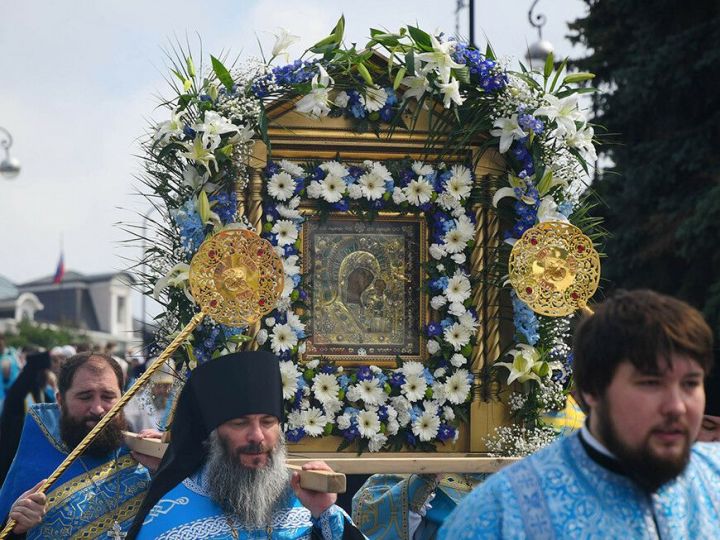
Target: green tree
column 29, row 333
column 659, row 64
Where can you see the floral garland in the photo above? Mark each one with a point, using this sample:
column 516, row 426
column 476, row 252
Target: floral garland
column 197, row 160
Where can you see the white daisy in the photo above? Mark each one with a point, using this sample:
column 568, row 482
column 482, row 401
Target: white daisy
column 290, row 266
column 379, row 169
column 458, row 360
column 418, row 191
column 325, row 387
column 333, row 188
column 314, row 190
column 421, row 169
column 426, row 427
column 344, row 421
column 332, row 407
column 436, row 302
column 465, row 226
column 446, row 201
column 412, row 368
column 282, row 338
column 456, row 309
column 290, row 210
column 368, row 423
column 314, row 421
column 458, row 288
column 372, row 186
column 438, row 390
column 398, row 196
column 375, row 98
column 261, row 336
column 291, row 168
column 370, row 392
column 414, row 387
column 457, row 387
column 437, row 251
column 289, row 375
column 377, row 442
column 355, row 191
column 458, row 187
column 281, row 186
column 468, row 320
column 448, row 413
column 295, row 419
column 286, row 232
column 334, row 168
column 457, row 335
column 293, row 320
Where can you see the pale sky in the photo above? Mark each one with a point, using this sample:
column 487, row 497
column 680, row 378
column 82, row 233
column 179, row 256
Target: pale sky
column 80, row 80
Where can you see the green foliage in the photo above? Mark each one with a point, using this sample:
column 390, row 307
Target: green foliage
column 29, row 333
column 662, row 64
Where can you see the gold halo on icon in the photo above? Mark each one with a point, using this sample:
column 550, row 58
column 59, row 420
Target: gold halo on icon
column 236, row 277
column 554, row 268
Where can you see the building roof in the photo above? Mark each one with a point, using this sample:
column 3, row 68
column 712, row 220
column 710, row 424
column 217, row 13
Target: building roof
column 73, row 277
column 7, row 289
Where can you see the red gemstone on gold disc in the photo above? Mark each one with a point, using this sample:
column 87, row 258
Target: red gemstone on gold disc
column 528, row 290
column 533, row 241
column 575, row 296
column 213, row 303
column 261, row 302
column 260, row 252
column 581, row 248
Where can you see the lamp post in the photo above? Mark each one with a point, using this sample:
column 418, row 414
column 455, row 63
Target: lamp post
column 542, row 47
column 10, row 166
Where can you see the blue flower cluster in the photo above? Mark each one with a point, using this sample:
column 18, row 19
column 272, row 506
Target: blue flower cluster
column 484, row 72
column 525, row 321
column 191, row 228
column 225, row 205
column 355, row 107
column 300, row 71
column 519, row 150
column 529, row 123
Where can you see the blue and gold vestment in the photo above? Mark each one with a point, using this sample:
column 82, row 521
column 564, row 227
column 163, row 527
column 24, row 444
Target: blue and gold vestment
column 561, row 492
column 187, row 512
column 88, row 497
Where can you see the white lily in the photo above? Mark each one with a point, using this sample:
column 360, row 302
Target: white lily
column 582, row 139
column 547, row 211
column 508, row 131
column 526, row 364
column 416, row 87
column 170, row 128
column 213, row 127
column 197, row 152
column 178, row 276
column 283, row 40
column 451, row 93
column 316, row 103
column 440, row 59
column 563, row 111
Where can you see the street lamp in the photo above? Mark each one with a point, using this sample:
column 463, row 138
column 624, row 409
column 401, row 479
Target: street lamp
column 9, row 167
column 542, row 47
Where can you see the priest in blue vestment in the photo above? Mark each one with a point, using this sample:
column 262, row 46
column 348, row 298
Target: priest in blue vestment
column 101, row 490
column 634, row 470
column 414, row 507
column 224, row 474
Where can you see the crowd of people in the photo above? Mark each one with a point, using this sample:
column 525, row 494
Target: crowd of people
column 644, row 464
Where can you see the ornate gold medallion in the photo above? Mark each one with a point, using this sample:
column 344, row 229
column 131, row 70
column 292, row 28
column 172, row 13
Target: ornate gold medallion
column 236, row 277
column 554, row 268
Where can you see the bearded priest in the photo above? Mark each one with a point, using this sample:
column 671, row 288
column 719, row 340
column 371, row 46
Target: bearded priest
column 224, row 475
column 634, row 470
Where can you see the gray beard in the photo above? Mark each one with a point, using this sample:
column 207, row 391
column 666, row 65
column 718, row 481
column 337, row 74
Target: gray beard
column 250, row 494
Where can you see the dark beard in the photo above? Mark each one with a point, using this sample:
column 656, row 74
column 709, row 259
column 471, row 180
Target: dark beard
column 647, row 469
column 73, row 431
column 251, row 494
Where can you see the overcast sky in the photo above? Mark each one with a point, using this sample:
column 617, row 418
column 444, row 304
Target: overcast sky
column 79, row 81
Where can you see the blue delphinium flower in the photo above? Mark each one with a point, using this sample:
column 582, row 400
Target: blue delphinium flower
column 225, row 205
column 364, row 373
column 445, row 432
column 192, row 230
column 397, row 379
column 433, row 329
column 294, row 435
column 529, row 123
column 351, row 433
column 525, row 321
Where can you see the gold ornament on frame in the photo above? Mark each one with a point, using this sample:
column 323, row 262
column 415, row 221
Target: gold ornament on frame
column 236, row 277
column 554, row 268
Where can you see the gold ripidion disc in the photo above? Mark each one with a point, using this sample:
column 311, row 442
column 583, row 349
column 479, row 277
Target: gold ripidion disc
column 236, row 277
column 554, row 268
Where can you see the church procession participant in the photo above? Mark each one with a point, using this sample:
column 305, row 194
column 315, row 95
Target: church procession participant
column 224, row 475
column 103, row 488
column 414, row 507
column 633, row 470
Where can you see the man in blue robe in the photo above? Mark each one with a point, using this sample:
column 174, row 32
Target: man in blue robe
column 103, row 488
column 634, row 470
column 414, row 507
column 224, row 475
